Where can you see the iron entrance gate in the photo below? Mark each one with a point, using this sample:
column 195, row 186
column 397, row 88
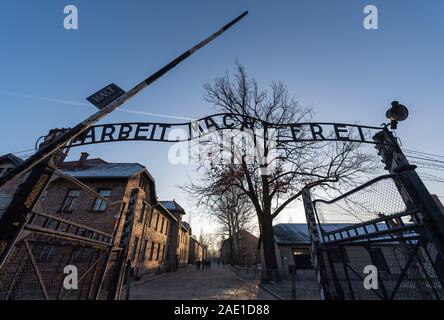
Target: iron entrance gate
column 49, row 239
column 377, row 224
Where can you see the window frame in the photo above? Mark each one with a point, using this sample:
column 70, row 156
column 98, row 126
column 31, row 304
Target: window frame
column 142, row 212
column 135, row 244
column 63, row 207
column 152, row 251
column 97, row 199
column 157, row 222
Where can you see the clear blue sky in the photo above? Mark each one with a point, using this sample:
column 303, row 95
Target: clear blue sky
column 318, row 48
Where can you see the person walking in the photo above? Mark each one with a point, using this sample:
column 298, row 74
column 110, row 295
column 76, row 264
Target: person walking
column 218, row 263
column 209, row 263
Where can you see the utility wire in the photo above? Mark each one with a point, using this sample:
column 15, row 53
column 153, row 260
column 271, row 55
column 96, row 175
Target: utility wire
column 423, row 153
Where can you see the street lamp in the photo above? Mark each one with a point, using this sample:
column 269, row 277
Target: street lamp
column 397, row 112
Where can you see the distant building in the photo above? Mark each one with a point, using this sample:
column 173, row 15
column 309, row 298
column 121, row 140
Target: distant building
column 292, row 246
column 174, row 252
column 247, row 252
column 197, row 251
column 184, row 244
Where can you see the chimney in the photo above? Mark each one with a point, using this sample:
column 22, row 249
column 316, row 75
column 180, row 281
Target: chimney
column 83, row 157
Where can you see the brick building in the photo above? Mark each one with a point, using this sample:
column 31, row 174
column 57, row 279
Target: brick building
column 247, row 253
column 184, row 243
column 158, row 240
column 174, row 251
column 150, row 236
column 197, row 251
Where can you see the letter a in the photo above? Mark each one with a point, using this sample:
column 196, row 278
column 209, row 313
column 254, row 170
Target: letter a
column 71, row 21
column 371, row 281
column 371, row 21
column 71, row 280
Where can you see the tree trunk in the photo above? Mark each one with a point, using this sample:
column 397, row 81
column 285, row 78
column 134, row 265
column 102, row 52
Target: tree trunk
column 271, row 269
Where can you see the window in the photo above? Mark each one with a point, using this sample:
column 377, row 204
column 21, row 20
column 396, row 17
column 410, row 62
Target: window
column 82, row 254
column 163, row 252
column 47, row 253
column 145, row 245
column 166, row 227
column 142, row 212
column 70, row 199
column 100, row 204
column 151, row 217
column 158, row 251
column 157, row 222
column 161, row 226
column 136, row 242
column 143, row 183
column 152, row 251
column 302, row 258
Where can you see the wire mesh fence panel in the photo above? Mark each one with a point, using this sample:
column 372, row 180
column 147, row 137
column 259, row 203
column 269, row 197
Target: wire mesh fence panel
column 377, row 225
column 383, row 198
column 65, row 247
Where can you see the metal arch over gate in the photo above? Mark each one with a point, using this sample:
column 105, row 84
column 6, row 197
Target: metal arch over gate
column 285, row 133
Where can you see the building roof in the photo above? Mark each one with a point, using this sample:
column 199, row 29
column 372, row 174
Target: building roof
column 172, row 206
column 100, row 169
column 165, row 210
column 104, row 170
column 291, row 233
column 297, row 233
column 186, row 225
column 242, row 233
column 11, row 158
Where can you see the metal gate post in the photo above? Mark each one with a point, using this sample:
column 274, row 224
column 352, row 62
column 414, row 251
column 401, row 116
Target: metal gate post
column 125, row 240
column 315, row 248
column 23, row 201
column 397, row 163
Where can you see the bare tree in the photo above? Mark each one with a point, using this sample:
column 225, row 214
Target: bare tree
column 231, row 211
column 296, row 166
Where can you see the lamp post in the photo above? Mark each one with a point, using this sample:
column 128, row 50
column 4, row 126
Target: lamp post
column 397, row 163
